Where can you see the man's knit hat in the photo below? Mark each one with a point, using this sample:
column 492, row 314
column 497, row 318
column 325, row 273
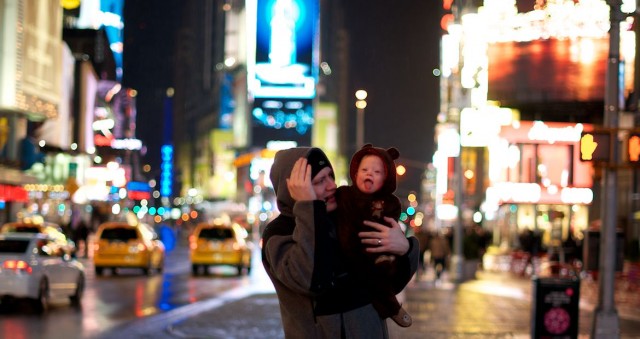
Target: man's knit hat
column 387, row 155
column 318, row 160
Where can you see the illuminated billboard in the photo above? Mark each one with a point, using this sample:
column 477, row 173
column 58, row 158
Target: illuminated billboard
column 537, row 71
column 552, row 53
column 96, row 14
column 286, row 53
column 114, row 117
column 281, row 120
column 31, row 57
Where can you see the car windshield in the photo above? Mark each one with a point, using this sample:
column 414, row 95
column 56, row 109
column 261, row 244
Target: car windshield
column 216, row 233
column 13, row 246
column 119, row 234
column 24, row 229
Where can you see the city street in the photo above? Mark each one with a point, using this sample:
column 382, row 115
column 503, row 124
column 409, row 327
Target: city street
column 140, row 130
column 174, row 304
column 495, row 305
column 113, row 300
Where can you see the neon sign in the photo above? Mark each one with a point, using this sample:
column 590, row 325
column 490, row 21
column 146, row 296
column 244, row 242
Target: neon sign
column 543, row 132
column 166, row 174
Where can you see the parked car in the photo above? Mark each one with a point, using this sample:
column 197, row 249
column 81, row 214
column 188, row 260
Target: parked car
column 38, row 267
column 218, row 243
column 121, row 244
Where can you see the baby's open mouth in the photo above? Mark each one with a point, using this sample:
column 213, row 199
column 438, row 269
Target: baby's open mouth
column 368, row 183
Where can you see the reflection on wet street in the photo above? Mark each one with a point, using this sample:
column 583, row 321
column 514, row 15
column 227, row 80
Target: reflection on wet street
column 117, row 298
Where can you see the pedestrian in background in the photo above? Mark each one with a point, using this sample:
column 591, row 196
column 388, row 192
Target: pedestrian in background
column 79, row 230
column 423, row 240
column 319, row 297
column 81, row 236
column 439, row 248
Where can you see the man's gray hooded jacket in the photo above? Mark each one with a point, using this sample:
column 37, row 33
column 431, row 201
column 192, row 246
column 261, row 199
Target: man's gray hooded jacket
column 300, row 255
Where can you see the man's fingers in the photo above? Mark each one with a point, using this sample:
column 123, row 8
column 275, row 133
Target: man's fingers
column 308, row 173
column 302, row 168
column 295, row 172
column 298, row 173
column 375, row 225
column 392, row 222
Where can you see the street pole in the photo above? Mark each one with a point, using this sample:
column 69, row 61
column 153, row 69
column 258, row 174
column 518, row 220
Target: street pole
column 361, row 103
column 457, row 257
column 360, row 128
column 605, row 322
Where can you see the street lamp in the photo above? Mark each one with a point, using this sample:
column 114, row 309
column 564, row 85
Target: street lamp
column 361, row 103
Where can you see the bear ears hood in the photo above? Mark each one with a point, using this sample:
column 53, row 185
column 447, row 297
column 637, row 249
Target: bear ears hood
column 387, row 155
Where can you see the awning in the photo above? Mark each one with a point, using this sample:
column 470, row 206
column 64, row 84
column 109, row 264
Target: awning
column 13, row 176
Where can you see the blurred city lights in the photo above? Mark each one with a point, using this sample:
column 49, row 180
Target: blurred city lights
column 403, row 216
column 401, row 170
column 477, row 217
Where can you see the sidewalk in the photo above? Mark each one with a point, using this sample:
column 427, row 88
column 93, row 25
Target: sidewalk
column 495, row 305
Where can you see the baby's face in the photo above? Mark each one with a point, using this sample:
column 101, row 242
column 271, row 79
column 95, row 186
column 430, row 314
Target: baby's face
column 371, row 174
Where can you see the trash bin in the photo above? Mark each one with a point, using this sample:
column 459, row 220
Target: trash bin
column 555, row 302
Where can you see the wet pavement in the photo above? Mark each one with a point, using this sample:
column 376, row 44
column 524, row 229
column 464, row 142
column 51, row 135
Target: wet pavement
column 494, row 305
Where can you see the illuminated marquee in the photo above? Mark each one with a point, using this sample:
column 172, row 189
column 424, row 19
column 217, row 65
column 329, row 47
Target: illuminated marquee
column 125, row 144
column 541, row 131
column 519, row 193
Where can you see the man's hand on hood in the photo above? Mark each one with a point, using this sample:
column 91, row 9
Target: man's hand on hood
column 299, row 182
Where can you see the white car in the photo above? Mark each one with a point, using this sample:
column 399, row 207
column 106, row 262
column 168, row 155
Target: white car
column 38, row 267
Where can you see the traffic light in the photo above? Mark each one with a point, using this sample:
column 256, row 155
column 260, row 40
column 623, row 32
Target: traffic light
column 633, row 148
column 596, row 146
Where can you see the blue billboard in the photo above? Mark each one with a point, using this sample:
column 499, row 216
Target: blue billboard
column 286, row 52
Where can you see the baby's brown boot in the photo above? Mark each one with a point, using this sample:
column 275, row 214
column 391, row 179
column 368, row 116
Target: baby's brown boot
column 402, row 318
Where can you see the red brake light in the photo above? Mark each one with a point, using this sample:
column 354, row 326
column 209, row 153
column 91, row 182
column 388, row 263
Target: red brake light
column 17, row 265
column 193, row 242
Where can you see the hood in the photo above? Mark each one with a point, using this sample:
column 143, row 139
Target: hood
column 387, row 155
column 281, row 170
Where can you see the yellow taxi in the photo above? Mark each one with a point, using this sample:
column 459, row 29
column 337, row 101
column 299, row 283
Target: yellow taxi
column 126, row 244
column 219, row 243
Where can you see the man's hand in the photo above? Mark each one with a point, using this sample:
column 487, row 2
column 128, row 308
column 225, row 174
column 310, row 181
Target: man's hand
column 385, row 239
column 299, row 182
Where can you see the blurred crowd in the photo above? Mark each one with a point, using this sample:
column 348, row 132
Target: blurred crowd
column 436, row 247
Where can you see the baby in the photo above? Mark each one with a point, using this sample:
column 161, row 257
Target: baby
column 373, row 172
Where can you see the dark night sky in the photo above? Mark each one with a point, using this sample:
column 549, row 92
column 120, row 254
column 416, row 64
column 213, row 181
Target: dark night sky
column 148, row 65
column 394, row 48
